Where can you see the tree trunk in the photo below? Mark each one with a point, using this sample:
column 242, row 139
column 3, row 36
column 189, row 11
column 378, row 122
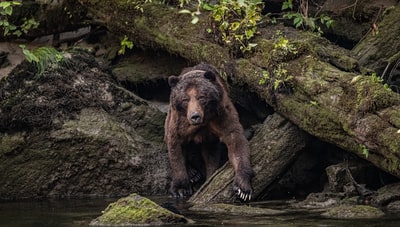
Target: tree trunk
column 382, row 43
column 316, row 85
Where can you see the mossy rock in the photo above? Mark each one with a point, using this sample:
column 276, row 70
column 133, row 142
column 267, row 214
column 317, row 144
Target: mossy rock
column 136, row 210
column 353, row 212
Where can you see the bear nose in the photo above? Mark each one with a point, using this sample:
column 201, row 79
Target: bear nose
column 195, row 117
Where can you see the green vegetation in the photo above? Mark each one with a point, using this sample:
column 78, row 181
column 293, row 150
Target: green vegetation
column 236, row 21
column 42, row 57
column 6, row 10
column 303, row 20
column 125, row 43
column 364, row 150
column 278, row 75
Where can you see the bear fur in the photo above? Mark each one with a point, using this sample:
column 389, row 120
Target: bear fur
column 201, row 112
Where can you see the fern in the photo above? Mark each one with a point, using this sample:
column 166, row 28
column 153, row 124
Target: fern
column 42, row 58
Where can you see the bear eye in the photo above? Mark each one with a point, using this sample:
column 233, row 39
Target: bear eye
column 185, row 101
column 182, row 105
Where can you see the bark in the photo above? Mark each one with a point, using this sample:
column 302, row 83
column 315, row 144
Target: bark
column 382, row 45
column 274, row 148
column 322, row 90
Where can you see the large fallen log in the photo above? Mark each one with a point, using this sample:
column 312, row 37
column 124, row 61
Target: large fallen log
column 316, row 85
column 274, row 147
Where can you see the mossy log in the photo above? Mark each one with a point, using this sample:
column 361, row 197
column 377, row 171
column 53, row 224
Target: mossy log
column 316, row 85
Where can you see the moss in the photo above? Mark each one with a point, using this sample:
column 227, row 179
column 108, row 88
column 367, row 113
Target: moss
column 353, row 212
column 371, row 95
column 234, row 209
column 137, row 210
column 11, row 142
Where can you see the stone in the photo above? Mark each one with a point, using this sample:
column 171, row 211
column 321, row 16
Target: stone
column 136, row 210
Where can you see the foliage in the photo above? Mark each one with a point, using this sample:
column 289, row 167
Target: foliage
column 283, row 45
column 195, row 14
column 279, row 78
column 364, row 150
column 236, row 21
column 125, row 43
column 6, row 10
column 302, row 19
column 42, row 57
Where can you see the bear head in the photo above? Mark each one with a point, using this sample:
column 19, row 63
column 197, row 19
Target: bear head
column 197, row 95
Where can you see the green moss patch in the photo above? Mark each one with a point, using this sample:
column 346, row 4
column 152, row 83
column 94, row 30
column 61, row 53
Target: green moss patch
column 137, row 210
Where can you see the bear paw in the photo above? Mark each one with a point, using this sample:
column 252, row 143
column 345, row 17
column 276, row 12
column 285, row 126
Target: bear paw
column 243, row 191
column 194, row 175
column 181, row 190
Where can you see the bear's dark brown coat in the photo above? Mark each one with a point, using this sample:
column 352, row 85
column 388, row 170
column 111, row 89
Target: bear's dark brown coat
column 200, row 111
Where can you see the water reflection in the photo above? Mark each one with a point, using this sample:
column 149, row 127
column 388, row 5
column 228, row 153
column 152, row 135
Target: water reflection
column 79, row 212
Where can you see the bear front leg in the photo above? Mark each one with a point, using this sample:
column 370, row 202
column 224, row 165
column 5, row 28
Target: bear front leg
column 212, row 157
column 180, row 185
column 239, row 156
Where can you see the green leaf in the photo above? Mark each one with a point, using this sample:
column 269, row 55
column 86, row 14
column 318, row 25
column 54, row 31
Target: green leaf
column 249, row 34
column 207, row 6
column 297, row 22
column 17, row 33
column 234, row 26
column 185, row 11
column 30, row 57
column 251, row 45
column 8, row 10
column 195, row 20
column 5, row 4
column 287, row 5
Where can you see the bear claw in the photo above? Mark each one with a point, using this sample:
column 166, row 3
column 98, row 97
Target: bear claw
column 244, row 196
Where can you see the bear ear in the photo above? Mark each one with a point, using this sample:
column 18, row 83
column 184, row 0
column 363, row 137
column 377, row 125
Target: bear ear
column 209, row 75
column 173, row 80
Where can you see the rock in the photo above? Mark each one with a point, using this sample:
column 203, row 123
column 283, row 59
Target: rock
column 360, row 174
column 74, row 131
column 353, row 212
column 143, row 67
column 320, row 200
column 387, row 194
column 395, row 206
column 235, row 209
column 136, row 210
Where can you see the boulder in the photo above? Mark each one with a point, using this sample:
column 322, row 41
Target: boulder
column 136, row 210
column 74, row 131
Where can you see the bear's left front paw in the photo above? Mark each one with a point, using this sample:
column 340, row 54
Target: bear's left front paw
column 244, row 193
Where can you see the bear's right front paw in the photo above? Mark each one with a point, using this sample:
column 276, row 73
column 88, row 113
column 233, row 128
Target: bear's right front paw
column 181, row 190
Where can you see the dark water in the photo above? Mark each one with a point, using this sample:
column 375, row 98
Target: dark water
column 74, row 212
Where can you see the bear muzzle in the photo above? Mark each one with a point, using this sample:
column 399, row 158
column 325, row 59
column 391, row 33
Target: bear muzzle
column 195, row 118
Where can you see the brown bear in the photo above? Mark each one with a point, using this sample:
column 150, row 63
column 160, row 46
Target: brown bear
column 201, row 112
